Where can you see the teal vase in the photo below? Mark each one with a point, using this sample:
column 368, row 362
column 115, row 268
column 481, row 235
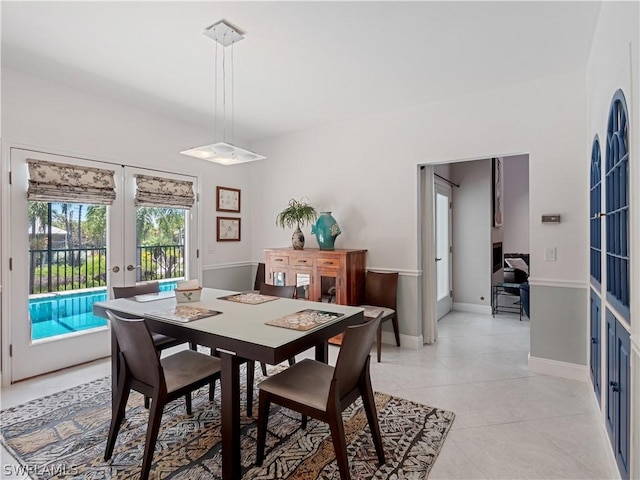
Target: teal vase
column 326, row 230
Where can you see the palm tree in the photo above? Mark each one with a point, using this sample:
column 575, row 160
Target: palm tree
column 38, row 217
column 95, row 226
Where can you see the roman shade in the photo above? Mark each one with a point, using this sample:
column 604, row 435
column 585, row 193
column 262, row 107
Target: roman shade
column 163, row 192
column 61, row 182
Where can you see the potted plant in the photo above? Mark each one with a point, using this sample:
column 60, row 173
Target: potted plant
column 297, row 213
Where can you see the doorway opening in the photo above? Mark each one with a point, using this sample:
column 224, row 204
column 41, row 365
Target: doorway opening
column 474, row 266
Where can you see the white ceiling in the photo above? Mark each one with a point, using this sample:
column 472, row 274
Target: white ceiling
column 302, row 64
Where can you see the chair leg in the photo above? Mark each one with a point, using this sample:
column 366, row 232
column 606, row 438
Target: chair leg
column 304, row 421
column 368, row 401
column 117, row 414
column 263, row 420
column 187, row 401
column 147, row 402
column 212, row 390
column 379, row 342
column 292, row 361
column 155, row 417
column 263, row 366
column 251, row 371
column 339, row 443
column 396, row 329
column 193, row 346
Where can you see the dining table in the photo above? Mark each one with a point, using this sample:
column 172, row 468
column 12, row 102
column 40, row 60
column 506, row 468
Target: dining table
column 239, row 332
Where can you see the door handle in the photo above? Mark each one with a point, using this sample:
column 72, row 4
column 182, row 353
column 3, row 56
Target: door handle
column 115, row 269
column 438, row 259
column 132, row 267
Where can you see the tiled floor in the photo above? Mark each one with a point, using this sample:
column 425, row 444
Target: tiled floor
column 510, row 423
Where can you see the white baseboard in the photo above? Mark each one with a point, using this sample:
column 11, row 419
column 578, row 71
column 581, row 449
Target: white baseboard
column 571, row 371
column 472, row 308
column 406, row 341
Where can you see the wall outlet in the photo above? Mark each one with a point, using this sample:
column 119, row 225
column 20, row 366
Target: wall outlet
column 550, row 254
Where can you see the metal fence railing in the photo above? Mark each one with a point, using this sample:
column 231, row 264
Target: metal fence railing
column 60, row 269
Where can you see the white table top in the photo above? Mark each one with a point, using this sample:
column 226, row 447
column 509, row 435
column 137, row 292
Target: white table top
column 238, row 321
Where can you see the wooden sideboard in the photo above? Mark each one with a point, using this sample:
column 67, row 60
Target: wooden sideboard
column 316, row 271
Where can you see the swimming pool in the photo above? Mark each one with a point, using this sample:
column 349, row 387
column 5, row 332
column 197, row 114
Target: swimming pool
column 61, row 313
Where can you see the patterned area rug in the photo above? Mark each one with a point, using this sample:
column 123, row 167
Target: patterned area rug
column 63, row 436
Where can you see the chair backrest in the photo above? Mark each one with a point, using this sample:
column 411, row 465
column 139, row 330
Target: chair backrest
column 140, row 289
column 277, row 290
column 260, row 276
column 136, row 345
column 354, row 351
column 381, row 289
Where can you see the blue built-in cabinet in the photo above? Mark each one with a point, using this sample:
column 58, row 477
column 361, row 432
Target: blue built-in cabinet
column 611, row 289
column 617, row 205
column 618, row 391
column 595, row 215
column 596, row 342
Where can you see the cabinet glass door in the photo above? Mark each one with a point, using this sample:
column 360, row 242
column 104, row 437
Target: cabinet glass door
column 327, row 291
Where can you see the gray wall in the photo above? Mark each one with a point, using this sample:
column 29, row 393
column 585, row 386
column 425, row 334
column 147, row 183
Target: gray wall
column 472, row 232
column 235, row 277
column 562, row 336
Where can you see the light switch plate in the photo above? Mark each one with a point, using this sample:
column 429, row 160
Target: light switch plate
column 550, row 254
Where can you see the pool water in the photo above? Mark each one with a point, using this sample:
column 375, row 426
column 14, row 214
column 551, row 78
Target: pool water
column 62, row 313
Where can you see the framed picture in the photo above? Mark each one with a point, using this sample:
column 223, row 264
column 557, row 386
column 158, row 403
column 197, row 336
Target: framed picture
column 227, row 199
column 228, row 229
column 496, row 175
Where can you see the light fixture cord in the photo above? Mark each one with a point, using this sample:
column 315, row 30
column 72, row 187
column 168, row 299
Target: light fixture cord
column 233, row 99
column 215, row 92
column 224, row 92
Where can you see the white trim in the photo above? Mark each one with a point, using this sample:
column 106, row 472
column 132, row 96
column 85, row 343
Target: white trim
column 635, row 344
column 472, row 308
column 222, row 266
column 572, row 371
column 550, row 282
column 405, row 273
column 406, row 341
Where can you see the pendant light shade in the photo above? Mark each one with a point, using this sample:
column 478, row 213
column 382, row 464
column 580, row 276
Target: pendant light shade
column 223, row 152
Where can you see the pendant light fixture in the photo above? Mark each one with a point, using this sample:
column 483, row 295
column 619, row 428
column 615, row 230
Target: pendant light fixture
column 224, row 152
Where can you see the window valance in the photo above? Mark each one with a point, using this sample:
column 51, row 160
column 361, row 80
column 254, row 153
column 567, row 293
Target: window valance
column 60, row 182
column 163, row 192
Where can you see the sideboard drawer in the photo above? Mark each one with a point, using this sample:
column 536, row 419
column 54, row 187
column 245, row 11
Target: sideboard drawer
column 328, row 262
column 277, row 260
column 302, row 261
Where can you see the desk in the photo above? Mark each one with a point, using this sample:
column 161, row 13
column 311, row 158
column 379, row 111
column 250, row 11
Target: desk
column 500, row 289
column 239, row 334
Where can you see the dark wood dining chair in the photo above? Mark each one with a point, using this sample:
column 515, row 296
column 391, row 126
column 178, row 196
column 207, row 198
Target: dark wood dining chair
column 282, row 292
column 163, row 380
column 323, row 392
column 260, row 276
column 160, row 341
column 380, row 292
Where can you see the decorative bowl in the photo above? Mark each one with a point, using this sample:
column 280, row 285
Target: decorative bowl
column 190, row 295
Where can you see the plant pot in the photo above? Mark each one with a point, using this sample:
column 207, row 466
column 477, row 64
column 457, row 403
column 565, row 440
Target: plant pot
column 297, row 239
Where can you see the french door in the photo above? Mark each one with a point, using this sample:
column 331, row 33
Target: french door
column 442, row 218
column 67, row 255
